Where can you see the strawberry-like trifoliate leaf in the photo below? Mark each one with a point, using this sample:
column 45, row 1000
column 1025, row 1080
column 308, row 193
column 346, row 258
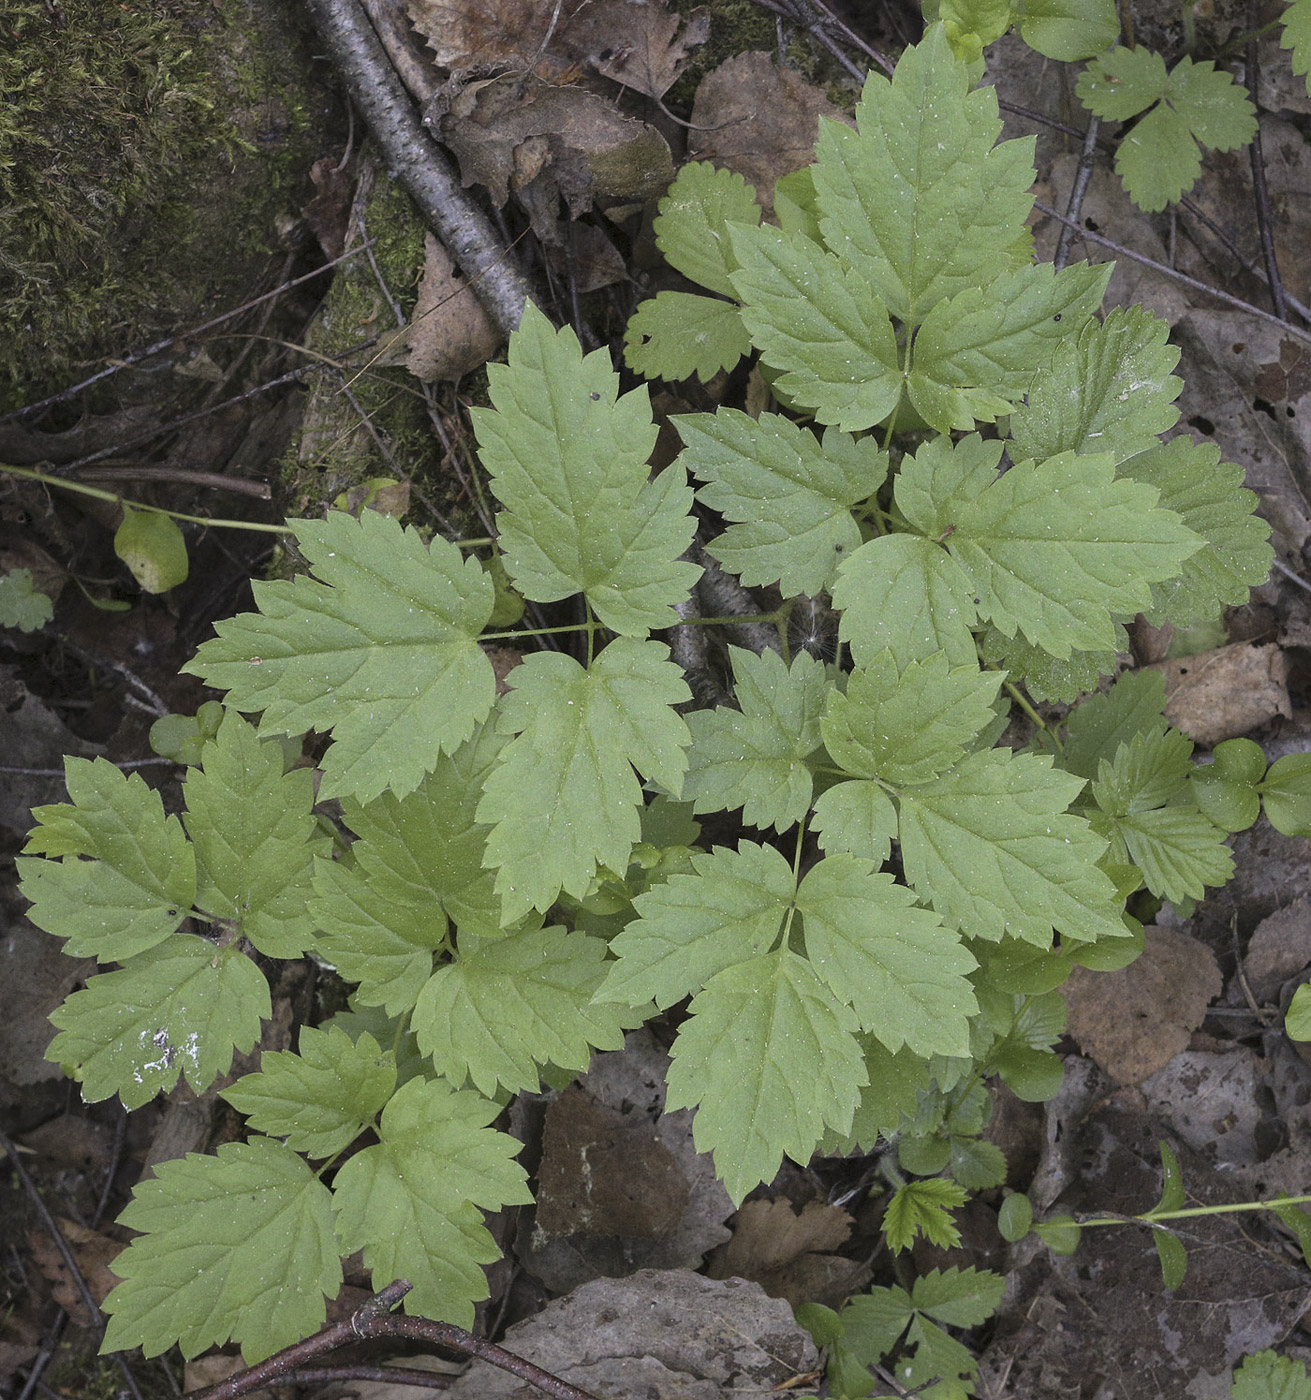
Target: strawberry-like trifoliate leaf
column 691, row 227
column 910, row 726
column 412, row 1202
column 769, row 1061
column 788, row 496
column 906, row 593
column 821, row 322
column 676, row 335
column 976, row 353
column 319, row 1099
column 991, row 846
column 1148, row 771
column 564, row 799
column 1108, row 389
column 923, row 1207
column 1209, row 497
column 140, row 881
column 1102, row 723
column 417, row 862
column 253, row 828
column 379, row 646
column 920, row 198
column 567, row 457
column 508, row 1006
column 182, row 1006
column 1159, row 159
column 237, row 1246
column 755, row 757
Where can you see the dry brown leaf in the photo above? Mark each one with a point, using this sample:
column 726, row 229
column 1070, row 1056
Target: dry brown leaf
column 1134, row 1021
column 1280, row 948
column 450, row 333
column 93, row 1253
column 485, row 34
column 1220, row 694
column 789, row 1255
column 637, row 43
column 328, row 213
column 761, row 120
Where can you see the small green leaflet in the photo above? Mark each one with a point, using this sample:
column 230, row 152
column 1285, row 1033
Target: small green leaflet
column 857, row 817
column 1227, row 790
column 895, row 1081
column 769, row 1061
column 412, row 1202
column 820, row 322
column 564, row 798
column 151, row 544
column 568, row 460
column 1046, row 678
column 1069, row 30
column 925, row 203
column 236, row 1245
column 379, row 646
column 675, row 335
column 788, row 496
column 923, row 1207
column 692, row 227
column 1101, row 723
column 252, row 828
column 140, row 881
column 507, row 1007
column 755, row 757
column 22, row 605
column 321, row 1098
column 907, row 728
column 184, row 1005
column 1297, row 36
column 992, row 848
column 1286, row 794
column 1158, row 160
column 1108, row 389
column 1209, row 497
column 1268, row 1376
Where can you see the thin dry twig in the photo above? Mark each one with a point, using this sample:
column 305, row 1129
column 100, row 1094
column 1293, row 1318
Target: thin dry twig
column 1256, row 156
column 1082, row 174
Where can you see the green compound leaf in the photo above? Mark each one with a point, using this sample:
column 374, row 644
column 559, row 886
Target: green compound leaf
column 822, row 323
column 1108, row 389
column 692, row 226
column 140, row 881
column 319, row 1099
column 907, row 728
column 905, row 975
column 675, row 335
column 1268, row 1376
column 919, row 198
column 568, row 460
column 21, row 604
column 976, row 353
column 1148, row 771
column 959, row 1297
column 923, row 1207
column 694, row 926
column 417, row 862
column 565, row 799
column 1135, row 704
column 1159, row 160
column 1209, row 497
column 857, row 817
column 379, row 646
column 411, row 1203
column 755, row 757
column 769, row 1061
column 992, row 848
column 252, row 828
column 236, row 1246
column 1286, row 794
column 1297, row 36
column 183, row 1006
column 788, row 496
column 905, row 593
column 507, row 1007
column 1069, row 30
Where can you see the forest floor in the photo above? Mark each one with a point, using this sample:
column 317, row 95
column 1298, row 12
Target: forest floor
column 354, row 388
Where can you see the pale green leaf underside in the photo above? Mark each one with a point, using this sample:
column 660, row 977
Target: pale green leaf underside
column 184, row 1006
column 564, row 798
column 567, row 458
column 140, row 881
column 769, row 1060
column 379, row 646
column 691, row 227
column 675, row 335
column 319, row 1099
column 412, row 1201
column 788, row 496
column 252, row 827
column 236, row 1245
column 992, row 848
column 755, row 757
column 508, row 1007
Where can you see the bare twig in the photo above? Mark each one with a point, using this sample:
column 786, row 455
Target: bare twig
column 127, row 765
column 376, row 1319
column 383, row 102
column 216, row 481
column 1257, row 158
column 1082, row 174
